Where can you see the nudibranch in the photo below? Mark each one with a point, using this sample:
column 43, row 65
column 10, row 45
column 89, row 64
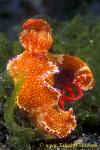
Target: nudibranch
column 47, row 78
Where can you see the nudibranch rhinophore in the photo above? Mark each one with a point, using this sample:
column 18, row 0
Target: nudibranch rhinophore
column 47, row 78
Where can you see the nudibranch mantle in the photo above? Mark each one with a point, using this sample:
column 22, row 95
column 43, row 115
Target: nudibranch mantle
column 47, row 77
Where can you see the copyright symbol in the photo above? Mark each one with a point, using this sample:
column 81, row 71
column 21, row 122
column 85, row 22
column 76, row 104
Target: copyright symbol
column 41, row 144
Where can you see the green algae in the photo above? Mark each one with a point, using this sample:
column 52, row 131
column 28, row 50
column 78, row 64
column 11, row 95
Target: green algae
column 80, row 37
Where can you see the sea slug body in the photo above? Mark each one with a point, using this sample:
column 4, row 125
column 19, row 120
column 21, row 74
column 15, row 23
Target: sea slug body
column 47, row 77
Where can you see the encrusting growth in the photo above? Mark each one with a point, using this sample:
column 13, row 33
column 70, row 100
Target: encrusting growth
column 47, row 77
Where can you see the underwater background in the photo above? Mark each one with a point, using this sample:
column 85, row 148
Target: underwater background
column 76, row 31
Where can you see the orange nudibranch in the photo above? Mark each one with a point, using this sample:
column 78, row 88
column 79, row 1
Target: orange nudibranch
column 47, row 77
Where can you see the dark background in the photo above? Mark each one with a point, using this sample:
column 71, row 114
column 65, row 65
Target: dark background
column 13, row 12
